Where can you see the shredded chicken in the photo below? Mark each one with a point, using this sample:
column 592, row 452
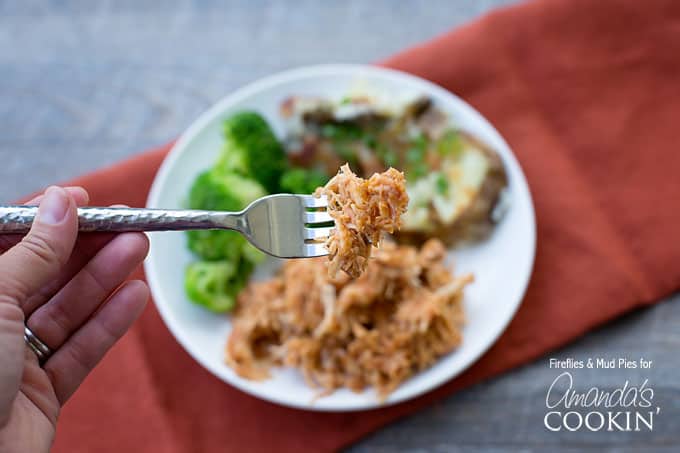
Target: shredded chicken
column 396, row 319
column 363, row 209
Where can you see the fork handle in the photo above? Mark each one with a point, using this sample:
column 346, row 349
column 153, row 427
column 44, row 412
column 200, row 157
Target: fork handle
column 18, row 219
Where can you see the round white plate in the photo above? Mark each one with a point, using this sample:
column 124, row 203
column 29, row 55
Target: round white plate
column 502, row 264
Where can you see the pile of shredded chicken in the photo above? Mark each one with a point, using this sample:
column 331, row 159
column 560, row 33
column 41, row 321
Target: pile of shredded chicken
column 363, row 209
column 396, row 319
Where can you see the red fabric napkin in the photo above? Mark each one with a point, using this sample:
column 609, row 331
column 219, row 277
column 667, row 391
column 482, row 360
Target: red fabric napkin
column 587, row 95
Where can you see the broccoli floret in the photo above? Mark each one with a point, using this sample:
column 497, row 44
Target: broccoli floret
column 224, row 192
column 216, row 244
column 243, row 188
column 301, row 180
column 251, row 158
column 213, row 284
column 252, row 149
column 216, row 190
column 208, row 192
column 231, row 160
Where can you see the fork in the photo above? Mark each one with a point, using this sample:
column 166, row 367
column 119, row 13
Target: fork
column 282, row 225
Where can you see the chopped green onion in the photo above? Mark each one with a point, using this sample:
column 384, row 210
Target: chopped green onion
column 416, row 171
column 390, row 158
column 386, row 155
column 414, row 155
column 441, row 184
column 418, row 150
column 345, row 152
column 340, row 132
column 370, row 141
column 449, row 144
column 420, row 141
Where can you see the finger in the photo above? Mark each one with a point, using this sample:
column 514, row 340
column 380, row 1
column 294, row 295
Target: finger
column 55, row 321
column 39, row 256
column 11, row 356
column 79, row 195
column 71, row 363
column 87, row 246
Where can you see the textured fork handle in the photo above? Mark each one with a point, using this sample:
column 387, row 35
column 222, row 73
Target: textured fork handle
column 18, row 219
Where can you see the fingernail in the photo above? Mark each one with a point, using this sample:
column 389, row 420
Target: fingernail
column 54, row 206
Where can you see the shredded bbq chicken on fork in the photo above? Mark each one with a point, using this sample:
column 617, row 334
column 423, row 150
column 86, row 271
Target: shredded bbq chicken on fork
column 363, row 209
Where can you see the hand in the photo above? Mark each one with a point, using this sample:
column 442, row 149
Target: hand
column 69, row 290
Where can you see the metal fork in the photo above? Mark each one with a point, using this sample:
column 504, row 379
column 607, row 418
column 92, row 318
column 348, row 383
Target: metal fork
column 285, row 226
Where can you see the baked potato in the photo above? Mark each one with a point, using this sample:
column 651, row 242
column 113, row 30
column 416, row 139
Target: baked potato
column 454, row 181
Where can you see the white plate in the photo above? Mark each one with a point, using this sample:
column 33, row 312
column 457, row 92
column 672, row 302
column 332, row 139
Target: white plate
column 502, row 265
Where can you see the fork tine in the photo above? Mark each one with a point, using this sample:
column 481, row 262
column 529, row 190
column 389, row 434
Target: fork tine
column 317, row 217
column 312, row 250
column 317, row 233
column 281, row 225
column 310, row 201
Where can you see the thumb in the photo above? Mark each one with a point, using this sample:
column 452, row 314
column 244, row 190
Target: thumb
column 39, row 257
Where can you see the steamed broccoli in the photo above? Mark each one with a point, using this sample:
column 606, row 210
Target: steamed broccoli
column 224, row 192
column 214, row 284
column 250, row 165
column 252, row 149
column 216, row 244
column 301, row 180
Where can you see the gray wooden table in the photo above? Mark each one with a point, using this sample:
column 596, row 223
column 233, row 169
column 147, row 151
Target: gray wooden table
column 86, row 83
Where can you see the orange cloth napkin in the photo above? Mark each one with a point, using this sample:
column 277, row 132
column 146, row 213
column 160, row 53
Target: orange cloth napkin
column 587, row 95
